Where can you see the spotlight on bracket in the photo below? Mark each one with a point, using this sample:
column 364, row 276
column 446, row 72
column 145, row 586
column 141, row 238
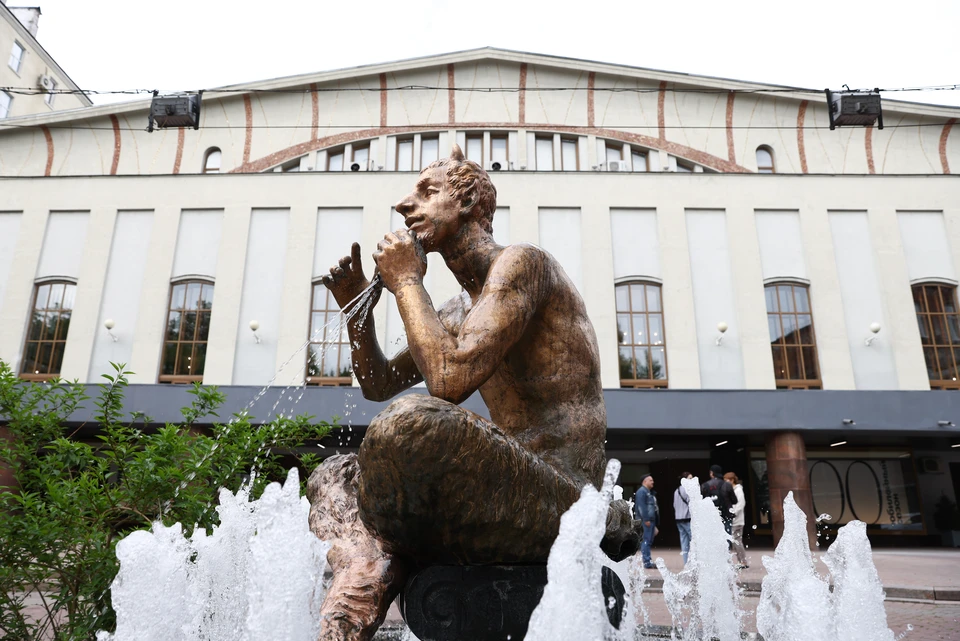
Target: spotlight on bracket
column 854, row 108
column 874, row 329
column 945, row 424
column 722, row 328
column 254, row 326
column 174, row 111
column 849, row 421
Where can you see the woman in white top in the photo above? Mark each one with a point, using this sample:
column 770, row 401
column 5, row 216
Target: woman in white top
column 738, row 520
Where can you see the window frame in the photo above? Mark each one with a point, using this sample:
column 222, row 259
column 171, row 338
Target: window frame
column 475, row 137
column 364, row 165
column 545, row 138
column 505, row 137
column 204, row 169
column 8, row 106
column 402, row 141
column 431, row 138
column 773, row 162
column 23, row 52
column 38, row 285
column 930, row 342
column 566, row 140
column 328, row 312
column 51, row 94
column 179, row 379
column 642, row 383
column 793, row 383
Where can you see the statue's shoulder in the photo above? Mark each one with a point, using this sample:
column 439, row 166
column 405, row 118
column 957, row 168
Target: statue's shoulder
column 522, row 258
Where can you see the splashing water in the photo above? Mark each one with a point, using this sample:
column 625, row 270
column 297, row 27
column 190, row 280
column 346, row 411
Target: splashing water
column 574, row 570
column 703, row 598
column 257, row 576
column 857, row 591
column 794, row 600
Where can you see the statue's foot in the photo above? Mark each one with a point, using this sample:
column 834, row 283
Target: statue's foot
column 366, row 578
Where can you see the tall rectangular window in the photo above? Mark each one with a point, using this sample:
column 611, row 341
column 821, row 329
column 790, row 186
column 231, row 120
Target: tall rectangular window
column 361, row 156
column 188, row 326
column 568, row 154
column 643, row 349
column 47, row 335
column 16, row 56
column 405, row 155
column 5, row 100
column 498, row 150
column 639, row 161
column 328, row 356
column 614, row 153
column 51, row 92
column 335, row 160
column 939, row 320
column 429, row 150
column 544, row 153
column 474, row 150
column 794, row 345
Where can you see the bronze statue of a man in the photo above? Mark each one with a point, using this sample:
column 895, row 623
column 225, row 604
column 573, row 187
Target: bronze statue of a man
column 433, row 482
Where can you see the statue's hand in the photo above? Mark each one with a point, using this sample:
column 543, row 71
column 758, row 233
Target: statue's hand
column 346, row 279
column 400, row 259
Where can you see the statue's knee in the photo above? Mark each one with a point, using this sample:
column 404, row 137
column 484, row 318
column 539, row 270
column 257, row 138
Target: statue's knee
column 406, row 421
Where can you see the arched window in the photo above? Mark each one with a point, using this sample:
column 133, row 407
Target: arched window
column 211, row 161
column 936, row 306
column 765, row 160
column 790, row 322
column 643, row 356
column 47, row 334
column 187, row 328
column 328, row 356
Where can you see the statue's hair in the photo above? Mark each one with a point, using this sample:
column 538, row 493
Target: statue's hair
column 471, row 186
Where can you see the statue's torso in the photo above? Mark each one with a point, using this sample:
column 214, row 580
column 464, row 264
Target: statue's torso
column 546, row 393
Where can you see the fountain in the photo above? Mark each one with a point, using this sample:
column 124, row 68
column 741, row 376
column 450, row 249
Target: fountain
column 468, row 519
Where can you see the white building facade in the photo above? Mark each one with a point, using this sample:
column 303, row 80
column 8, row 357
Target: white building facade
column 761, row 287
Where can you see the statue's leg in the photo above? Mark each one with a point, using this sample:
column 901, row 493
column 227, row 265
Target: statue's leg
column 445, row 485
column 366, row 578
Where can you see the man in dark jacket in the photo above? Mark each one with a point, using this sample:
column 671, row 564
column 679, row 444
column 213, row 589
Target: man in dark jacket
column 645, row 510
column 722, row 495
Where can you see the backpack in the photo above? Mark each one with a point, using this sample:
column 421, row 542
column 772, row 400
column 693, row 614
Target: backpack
column 711, row 489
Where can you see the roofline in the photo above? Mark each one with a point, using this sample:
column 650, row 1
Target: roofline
column 47, row 58
column 469, row 55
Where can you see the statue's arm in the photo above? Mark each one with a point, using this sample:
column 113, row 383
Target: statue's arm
column 454, row 365
column 380, row 378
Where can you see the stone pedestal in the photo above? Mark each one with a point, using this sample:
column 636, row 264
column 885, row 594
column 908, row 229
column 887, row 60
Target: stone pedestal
column 787, row 472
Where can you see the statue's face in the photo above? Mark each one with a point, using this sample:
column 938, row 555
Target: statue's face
column 430, row 210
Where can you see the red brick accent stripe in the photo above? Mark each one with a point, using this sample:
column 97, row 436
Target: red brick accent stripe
column 943, row 144
column 731, row 150
column 868, row 149
column 248, row 135
column 695, row 155
column 451, row 94
column 383, row 100
column 591, row 85
column 661, row 118
column 315, row 111
column 49, row 137
column 181, row 134
column 522, row 111
column 116, row 145
column 801, row 115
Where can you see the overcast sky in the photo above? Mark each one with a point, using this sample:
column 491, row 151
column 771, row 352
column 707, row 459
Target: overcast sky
column 178, row 45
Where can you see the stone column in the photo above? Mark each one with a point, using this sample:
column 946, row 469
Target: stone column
column 787, row 472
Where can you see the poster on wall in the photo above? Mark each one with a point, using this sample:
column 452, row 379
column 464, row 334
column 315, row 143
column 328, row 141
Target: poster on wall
column 878, row 488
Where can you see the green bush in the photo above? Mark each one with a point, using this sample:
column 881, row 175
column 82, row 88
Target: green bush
column 75, row 500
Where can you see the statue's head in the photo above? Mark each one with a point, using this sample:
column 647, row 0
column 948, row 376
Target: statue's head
column 470, row 185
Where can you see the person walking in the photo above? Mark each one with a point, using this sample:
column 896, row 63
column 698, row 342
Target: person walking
column 681, row 511
column 722, row 495
column 738, row 521
column 646, row 510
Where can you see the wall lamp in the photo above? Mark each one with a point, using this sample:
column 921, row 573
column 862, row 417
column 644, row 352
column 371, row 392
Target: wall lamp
column 874, row 329
column 109, row 324
column 722, row 328
column 849, row 421
column 254, row 326
column 945, row 424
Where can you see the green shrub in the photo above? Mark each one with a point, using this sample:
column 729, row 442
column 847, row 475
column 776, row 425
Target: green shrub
column 74, row 500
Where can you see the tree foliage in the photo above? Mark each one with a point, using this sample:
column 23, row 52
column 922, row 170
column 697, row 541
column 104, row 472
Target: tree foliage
column 74, row 499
